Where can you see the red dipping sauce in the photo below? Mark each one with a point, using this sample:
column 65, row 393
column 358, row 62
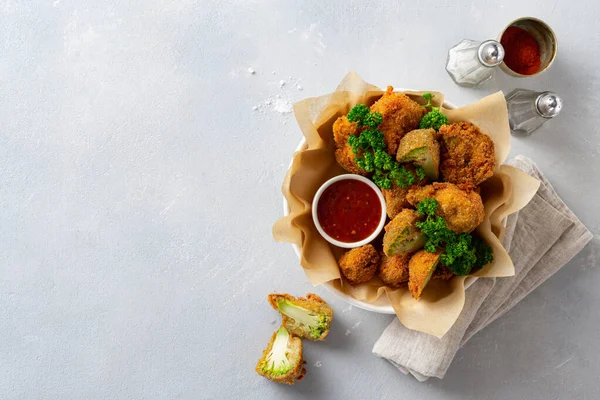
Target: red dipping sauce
column 349, row 210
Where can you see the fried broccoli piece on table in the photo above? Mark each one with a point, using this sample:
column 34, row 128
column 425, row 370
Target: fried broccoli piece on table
column 402, row 235
column 421, row 148
column 360, row 264
column 421, row 267
column 308, row 318
column 282, row 360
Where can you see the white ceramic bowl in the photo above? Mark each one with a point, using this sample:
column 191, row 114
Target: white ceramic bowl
column 382, row 304
column 355, row 177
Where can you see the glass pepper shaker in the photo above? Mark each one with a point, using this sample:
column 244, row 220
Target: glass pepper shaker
column 470, row 63
column 528, row 110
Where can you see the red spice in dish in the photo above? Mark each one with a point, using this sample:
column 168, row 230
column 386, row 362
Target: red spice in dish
column 349, row 210
column 522, row 51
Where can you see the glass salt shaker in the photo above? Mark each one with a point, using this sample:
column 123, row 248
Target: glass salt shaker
column 528, row 110
column 470, row 63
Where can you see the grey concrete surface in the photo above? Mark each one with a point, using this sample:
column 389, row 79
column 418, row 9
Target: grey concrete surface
column 138, row 187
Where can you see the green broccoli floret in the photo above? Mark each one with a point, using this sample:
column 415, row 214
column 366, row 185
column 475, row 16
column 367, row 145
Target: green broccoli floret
column 277, row 363
column 433, row 119
column 305, row 323
column 282, row 360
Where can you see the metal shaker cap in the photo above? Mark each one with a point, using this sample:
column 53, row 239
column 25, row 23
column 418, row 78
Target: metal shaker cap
column 548, row 105
column 490, row 53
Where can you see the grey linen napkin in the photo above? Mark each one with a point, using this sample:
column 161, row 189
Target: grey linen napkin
column 541, row 239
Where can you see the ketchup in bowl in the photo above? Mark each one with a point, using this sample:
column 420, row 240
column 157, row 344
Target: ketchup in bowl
column 349, row 210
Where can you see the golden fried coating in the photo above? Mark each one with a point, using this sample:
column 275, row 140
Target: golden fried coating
column 420, row 269
column 360, row 264
column 400, row 115
column 395, row 198
column 459, row 205
column 467, row 154
column 345, row 158
column 294, row 355
column 313, row 303
column 402, row 235
column 421, row 147
column 442, row 272
column 342, row 129
column 393, row 270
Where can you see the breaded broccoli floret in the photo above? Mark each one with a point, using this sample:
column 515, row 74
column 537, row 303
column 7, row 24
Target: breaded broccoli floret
column 282, row 360
column 421, row 148
column 360, row 264
column 400, row 114
column 421, row 267
column 393, row 270
column 308, row 318
column 443, row 272
column 402, row 234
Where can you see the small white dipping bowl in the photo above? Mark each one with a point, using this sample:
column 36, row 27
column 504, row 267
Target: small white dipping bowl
column 356, row 178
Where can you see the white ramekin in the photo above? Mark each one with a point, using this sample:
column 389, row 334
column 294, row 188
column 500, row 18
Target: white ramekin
column 356, row 178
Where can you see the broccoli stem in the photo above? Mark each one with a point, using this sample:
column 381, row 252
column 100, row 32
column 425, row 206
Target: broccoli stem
column 277, row 362
column 299, row 314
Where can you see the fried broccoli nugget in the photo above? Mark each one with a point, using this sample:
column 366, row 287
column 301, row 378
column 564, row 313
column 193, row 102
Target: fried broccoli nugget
column 360, row 264
column 459, row 205
column 282, row 361
column 309, row 318
column 402, row 235
column 393, row 270
column 343, row 129
column 400, row 115
column 421, row 148
column 442, row 272
column 420, row 270
column 467, row 155
column 345, row 157
column 395, row 198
